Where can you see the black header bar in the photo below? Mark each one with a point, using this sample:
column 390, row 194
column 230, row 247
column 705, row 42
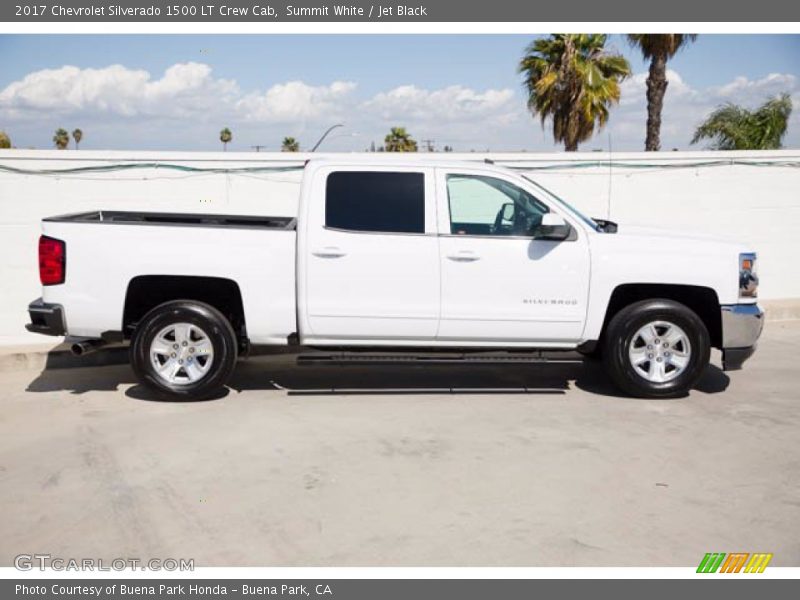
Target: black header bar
column 266, row 11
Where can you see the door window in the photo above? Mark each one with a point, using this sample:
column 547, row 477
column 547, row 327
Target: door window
column 481, row 205
column 375, row 201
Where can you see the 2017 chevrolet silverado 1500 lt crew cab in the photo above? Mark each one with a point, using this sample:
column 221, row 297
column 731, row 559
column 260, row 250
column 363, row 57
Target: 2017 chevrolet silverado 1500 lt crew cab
column 402, row 258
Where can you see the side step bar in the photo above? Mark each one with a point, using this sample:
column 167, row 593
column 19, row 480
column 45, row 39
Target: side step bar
column 434, row 358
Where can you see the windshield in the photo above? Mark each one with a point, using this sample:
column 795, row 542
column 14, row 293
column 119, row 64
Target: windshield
column 591, row 223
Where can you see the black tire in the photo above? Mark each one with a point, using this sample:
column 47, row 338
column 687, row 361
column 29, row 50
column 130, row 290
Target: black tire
column 219, row 333
column 621, row 331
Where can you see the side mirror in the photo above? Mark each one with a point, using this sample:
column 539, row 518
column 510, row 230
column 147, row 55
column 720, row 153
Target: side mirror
column 553, row 227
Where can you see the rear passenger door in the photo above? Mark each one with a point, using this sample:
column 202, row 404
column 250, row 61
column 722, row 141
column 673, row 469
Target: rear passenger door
column 371, row 256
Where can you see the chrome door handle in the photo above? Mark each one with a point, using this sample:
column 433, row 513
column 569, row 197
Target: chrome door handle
column 329, row 252
column 464, row 256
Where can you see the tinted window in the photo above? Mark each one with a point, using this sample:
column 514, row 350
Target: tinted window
column 376, row 201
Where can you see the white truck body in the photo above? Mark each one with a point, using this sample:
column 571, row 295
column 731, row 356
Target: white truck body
column 443, row 285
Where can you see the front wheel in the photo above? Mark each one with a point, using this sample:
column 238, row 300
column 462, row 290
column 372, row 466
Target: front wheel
column 656, row 349
column 184, row 350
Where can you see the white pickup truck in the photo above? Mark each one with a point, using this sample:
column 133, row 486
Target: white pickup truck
column 402, row 259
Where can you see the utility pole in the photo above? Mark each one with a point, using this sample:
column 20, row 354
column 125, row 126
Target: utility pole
column 430, row 145
column 258, row 147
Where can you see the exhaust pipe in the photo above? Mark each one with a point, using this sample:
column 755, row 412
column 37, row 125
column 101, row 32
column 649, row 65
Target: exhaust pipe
column 87, row 346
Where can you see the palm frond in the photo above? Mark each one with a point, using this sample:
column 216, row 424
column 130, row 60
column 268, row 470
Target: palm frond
column 733, row 127
column 660, row 44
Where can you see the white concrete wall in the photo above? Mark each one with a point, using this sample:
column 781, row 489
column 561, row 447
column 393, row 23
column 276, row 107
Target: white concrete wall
column 757, row 204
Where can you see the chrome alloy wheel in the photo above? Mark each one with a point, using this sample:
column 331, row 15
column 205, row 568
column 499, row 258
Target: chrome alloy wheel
column 181, row 353
column 660, row 351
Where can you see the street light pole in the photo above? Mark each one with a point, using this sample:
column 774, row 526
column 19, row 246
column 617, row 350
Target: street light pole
column 324, row 135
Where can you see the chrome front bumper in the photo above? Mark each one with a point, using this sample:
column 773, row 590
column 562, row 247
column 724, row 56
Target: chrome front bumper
column 741, row 327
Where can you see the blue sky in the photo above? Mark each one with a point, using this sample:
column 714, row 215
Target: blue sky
column 462, row 90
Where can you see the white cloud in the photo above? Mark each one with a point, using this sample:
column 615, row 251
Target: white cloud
column 188, row 95
column 743, row 90
column 295, row 101
column 633, row 89
column 186, row 105
column 454, row 115
column 452, row 103
column 190, row 88
column 185, row 89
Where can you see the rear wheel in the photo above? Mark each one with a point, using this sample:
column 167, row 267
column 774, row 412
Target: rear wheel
column 184, row 350
column 656, row 349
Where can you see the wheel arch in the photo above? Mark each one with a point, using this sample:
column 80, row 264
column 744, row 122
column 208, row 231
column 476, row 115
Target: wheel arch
column 145, row 292
column 703, row 301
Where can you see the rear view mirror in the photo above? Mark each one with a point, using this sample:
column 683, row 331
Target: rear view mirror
column 552, row 227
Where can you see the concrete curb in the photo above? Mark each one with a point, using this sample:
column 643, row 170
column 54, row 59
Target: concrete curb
column 781, row 310
column 39, row 358
column 26, row 358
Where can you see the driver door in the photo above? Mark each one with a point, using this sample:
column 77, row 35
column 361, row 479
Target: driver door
column 501, row 285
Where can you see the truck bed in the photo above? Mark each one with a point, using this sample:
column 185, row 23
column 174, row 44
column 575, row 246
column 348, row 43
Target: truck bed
column 176, row 219
column 107, row 250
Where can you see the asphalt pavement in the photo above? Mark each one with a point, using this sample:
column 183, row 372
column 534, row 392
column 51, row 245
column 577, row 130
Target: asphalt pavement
column 405, row 466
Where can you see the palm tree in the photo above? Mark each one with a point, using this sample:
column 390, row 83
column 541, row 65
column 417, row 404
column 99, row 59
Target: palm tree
column 658, row 48
column 399, row 140
column 77, row 135
column 573, row 80
column 732, row 127
column 225, row 136
column 290, row 144
column 5, row 141
column 61, row 139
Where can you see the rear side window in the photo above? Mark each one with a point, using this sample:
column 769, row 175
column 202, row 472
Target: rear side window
column 376, row 201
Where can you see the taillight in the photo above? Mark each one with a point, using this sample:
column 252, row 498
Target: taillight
column 52, row 260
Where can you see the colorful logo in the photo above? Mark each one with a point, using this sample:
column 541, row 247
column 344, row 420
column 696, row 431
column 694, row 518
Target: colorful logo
column 734, row 562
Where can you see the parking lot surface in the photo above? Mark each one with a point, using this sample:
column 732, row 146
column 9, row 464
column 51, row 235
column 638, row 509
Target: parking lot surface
column 407, row 466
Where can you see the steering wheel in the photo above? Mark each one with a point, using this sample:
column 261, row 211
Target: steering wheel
column 523, row 223
column 526, row 222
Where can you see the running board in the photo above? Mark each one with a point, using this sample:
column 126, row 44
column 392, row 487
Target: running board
column 436, row 358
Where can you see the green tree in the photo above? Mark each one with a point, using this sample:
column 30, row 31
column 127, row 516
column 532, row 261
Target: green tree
column 77, row 135
column 5, row 141
column 733, row 127
column 572, row 80
column 658, row 48
column 225, row 136
column 399, row 140
column 290, row 144
column 61, row 139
